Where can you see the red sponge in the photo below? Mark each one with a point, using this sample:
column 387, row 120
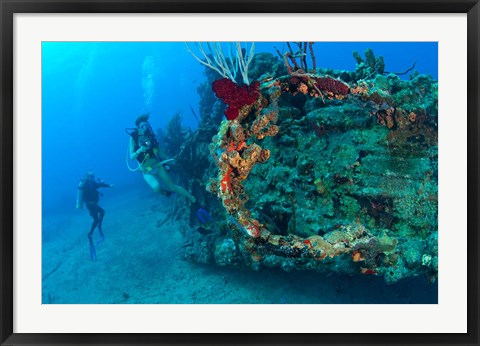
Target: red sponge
column 235, row 96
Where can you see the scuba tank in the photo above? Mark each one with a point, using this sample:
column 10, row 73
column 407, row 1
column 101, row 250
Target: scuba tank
column 79, row 204
column 81, row 190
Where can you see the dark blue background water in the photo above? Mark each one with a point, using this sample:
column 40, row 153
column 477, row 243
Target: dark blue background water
column 92, row 91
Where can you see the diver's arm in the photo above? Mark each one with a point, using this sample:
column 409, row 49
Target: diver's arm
column 134, row 154
column 102, row 184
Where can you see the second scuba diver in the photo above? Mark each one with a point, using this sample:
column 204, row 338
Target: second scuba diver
column 88, row 194
column 144, row 148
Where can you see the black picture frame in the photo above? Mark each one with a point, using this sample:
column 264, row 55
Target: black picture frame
column 10, row 7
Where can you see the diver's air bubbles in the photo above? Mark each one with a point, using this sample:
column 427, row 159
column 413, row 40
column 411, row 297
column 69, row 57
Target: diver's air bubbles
column 148, row 82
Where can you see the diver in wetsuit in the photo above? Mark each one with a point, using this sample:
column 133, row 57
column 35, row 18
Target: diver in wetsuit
column 88, row 194
column 144, row 148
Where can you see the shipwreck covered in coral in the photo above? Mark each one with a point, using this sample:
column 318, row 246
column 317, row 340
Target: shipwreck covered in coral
column 308, row 168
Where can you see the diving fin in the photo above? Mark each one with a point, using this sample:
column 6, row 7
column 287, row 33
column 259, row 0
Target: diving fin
column 102, row 236
column 93, row 254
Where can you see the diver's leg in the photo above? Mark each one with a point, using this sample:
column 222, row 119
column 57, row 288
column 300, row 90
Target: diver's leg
column 163, row 175
column 94, row 215
column 101, row 214
column 152, row 182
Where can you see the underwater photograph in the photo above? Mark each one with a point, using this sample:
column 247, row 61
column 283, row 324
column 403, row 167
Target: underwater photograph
column 239, row 173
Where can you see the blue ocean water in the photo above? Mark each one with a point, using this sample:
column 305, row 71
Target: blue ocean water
column 93, row 91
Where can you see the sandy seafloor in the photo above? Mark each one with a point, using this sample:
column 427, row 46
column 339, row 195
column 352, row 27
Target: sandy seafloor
column 141, row 263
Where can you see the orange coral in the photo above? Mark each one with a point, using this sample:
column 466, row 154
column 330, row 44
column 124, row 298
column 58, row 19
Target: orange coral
column 231, row 147
column 262, row 126
column 226, row 182
column 357, row 256
column 412, row 117
column 390, row 122
column 303, row 88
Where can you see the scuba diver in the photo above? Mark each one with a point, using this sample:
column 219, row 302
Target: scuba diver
column 145, row 149
column 88, row 193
